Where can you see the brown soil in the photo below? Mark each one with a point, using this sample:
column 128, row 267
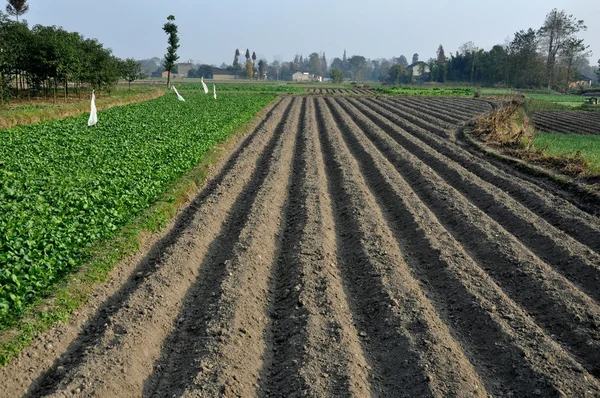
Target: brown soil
column 349, row 246
column 568, row 122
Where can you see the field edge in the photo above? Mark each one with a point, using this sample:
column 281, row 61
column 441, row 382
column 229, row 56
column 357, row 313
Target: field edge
column 571, row 185
column 71, row 294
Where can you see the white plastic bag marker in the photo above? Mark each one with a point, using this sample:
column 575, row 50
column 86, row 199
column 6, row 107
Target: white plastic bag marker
column 204, row 85
column 179, row 97
column 93, row 113
column 215, row 91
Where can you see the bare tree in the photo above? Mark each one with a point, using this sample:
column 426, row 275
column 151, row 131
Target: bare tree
column 559, row 28
column 572, row 49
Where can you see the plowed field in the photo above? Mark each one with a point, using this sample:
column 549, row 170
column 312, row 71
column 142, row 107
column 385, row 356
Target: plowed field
column 358, row 91
column 568, row 122
column 347, row 247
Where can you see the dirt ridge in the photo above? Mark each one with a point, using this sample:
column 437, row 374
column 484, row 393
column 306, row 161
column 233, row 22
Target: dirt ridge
column 349, row 246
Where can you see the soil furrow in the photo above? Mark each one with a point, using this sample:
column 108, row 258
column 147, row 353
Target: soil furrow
column 208, row 347
column 349, row 246
column 420, row 117
column 417, row 119
column 453, row 107
column 443, row 114
column 556, row 248
column 556, row 211
column 135, row 302
column 315, row 350
column 410, row 349
column 520, row 369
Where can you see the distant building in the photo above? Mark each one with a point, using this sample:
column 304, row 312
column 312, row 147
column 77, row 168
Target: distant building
column 302, row 77
column 580, row 83
column 225, row 74
column 184, row 68
column 418, row 69
column 165, row 74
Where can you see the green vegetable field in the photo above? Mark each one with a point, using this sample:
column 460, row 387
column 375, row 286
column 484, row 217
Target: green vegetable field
column 427, row 91
column 64, row 186
column 243, row 87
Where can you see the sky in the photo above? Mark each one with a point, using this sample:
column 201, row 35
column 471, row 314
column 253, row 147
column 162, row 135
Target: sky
column 210, row 31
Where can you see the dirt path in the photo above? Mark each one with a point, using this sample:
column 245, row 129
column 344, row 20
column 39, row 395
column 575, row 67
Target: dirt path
column 348, row 247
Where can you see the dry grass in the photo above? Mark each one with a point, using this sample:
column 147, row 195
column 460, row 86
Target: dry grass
column 510, row 129
column 22, row 114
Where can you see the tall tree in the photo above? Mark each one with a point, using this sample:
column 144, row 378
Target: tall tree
column 337, row 63
column 441, row 66
column 397, row 74
column 470, row 50
column 249, row 69
column 357, row 65
column 557, row 30
column 572, row 49
column 337, row 75
column 323, row 65
column 415, row 58
column 402, row 61
column 314, row 63
column 345, row 61
column 236, row 61
column 526, row 67
column 247, row 55
column 17, row 8
column 262, row 68
column 171, row 56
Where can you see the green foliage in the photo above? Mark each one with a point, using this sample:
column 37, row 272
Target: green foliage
column 249, row 69
column 171, row 56
column 246, row 87
column 337, row 75
column 47, row 58
column 569, row 144
column 398, row 74
column 427, row 91
column 16, row 8
column 131, row 70
column 205, row 71
column 64, row 186
column 558, row 98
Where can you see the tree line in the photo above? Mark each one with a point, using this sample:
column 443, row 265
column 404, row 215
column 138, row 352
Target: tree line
column 551, row 56
column 50, row 61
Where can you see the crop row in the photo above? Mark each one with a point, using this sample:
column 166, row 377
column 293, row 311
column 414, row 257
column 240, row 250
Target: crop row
column 427, row 91
column 242, row 87
column 64, row 186
column 567, row 122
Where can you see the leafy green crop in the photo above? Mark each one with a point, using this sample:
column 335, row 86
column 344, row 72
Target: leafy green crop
column 243, row 87
column 64, row 186
column 427, row 91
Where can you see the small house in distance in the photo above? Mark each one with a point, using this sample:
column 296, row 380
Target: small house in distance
column 302, row 77
column 184, row 68
column 225, row 74
column 419, row 69
column 165, row 74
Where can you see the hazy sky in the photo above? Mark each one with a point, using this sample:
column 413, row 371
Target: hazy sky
column 210, row 31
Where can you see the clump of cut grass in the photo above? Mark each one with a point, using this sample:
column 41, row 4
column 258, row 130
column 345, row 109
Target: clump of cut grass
column 507, row 126
column 510, row 129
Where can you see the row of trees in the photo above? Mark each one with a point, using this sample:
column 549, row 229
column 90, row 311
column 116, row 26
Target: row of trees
column 46, row 59
column 551, row 56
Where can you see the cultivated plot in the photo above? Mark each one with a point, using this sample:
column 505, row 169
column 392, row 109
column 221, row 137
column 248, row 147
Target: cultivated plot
column 349, row 247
